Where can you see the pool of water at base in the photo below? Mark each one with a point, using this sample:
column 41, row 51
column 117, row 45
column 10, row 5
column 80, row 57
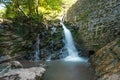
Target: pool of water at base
column 66, row 70
column 62, row 70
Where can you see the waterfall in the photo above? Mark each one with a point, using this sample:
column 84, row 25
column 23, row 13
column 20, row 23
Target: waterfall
column 48, row 58
column 69, row 45
column 37, row 52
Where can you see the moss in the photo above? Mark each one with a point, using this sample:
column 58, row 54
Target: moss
column 1, row 39
column 76, row 35
column 118, row 42
column 84, row 15
column 1, row 50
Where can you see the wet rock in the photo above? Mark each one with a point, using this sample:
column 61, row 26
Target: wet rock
column 16, row 64
column 34, row 73
column 14, row 42
column 43, row 65
column 4, row 58
column 55, row 55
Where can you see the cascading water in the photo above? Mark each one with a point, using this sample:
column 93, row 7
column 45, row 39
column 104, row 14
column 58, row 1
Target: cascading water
column 37, row 52
column 69, row 45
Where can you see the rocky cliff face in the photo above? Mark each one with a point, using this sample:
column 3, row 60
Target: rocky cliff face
column 20, row 38
column 98, row 21
column 106, row 61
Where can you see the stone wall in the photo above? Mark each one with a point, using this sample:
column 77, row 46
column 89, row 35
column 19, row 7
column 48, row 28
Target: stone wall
column 98, row 22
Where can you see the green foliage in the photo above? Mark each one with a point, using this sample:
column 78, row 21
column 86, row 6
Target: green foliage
column 51, row 4
column 2, row 12
column 118, row 42
column 33, row 8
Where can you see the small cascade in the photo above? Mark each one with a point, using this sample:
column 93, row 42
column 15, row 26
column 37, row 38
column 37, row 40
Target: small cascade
column 69, row 45
column 54, row 30
column 37, row 52
column 49, row 58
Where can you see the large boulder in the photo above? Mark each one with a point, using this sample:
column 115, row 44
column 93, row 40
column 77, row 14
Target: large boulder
column 34, row 73
column 106, row 61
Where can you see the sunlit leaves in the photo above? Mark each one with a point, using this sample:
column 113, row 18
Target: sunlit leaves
column 31, row 8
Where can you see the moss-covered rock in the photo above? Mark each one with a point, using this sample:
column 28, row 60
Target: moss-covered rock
column 19, row 38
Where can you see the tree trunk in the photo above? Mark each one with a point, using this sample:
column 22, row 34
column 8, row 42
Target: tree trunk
column 19, row 9
column 36, row 6
column 30, row 7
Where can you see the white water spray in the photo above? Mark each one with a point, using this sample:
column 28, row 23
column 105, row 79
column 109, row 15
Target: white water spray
column 37, row 52
column 69, row 45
